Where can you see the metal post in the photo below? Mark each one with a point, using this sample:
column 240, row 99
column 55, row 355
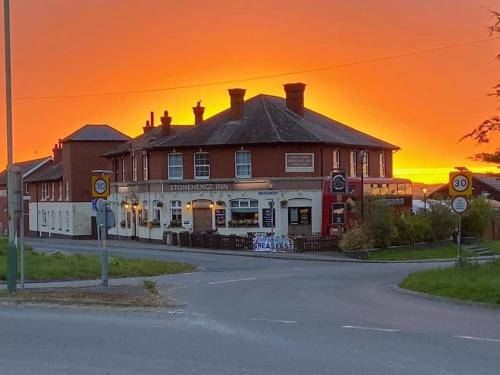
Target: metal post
column 11, row 247
column 21, row 228
column 459, row 241
column 104, row 256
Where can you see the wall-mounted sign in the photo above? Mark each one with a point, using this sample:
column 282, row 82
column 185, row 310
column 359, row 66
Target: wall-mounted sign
column 268, row 218
column 200, row 187
column 338, row 182
column 299, row 162
column 220, row 217
column 338, row 213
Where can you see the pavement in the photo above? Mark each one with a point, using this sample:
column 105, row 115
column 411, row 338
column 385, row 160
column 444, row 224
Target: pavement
column 250, row 315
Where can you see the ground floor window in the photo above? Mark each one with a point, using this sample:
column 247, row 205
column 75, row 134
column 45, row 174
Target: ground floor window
column 67, row 221
column 244, row 213
column 299, row 215
column 175, row 214
column 60, row 220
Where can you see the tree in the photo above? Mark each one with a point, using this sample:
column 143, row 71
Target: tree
column 482, row 134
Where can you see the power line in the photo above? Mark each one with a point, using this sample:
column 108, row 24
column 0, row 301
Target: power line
column 267, row 76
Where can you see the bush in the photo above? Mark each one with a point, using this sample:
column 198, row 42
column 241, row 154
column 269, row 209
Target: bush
column 411, row 229
column 422, row 229
column 442, row 221
column 404, row 230
column 379, row 224
column 476, row 218
column 354, row 239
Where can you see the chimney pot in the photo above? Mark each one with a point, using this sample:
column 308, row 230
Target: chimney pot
column 166, row 120
column 237, row 103
column 198, row 113
column 57, row 152
column 295, row 97
column 147, row 127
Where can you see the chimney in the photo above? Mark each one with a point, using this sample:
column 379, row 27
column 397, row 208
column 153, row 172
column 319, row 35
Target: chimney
column 57, row 151
column 295, row 97
column 237, row 103
column 166, row 120
column 149, row 124
column 198, row 113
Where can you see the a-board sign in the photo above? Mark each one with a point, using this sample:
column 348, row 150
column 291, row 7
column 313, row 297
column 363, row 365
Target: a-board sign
column 459, row 204
column 460, row 183
column 268, row 218
column 100, row 186
column 220, row 217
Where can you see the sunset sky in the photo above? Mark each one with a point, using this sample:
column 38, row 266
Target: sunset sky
column 422, row 103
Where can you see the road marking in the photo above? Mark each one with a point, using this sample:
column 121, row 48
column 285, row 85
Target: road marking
column 274, row 321
column 372, row 328
column 477, row 338
column 230, row 281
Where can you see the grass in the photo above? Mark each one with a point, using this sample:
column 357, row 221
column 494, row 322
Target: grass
column 59, row 266
column 440, row 252
column 473, row 282
column 493, row 246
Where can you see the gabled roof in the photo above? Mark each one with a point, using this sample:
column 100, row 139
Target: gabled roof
column 489, row 179
column 146, row 139
column 96, row 133
column 268, row 120
column 49, row 173
column 27, row 168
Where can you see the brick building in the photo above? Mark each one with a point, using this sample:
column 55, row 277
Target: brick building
column 60, row 194
column 223, row 172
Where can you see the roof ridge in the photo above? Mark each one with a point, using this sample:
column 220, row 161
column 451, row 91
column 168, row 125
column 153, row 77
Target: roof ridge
column 269, row 118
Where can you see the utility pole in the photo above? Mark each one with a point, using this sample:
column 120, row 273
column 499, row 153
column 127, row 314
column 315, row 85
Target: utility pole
column 11, row 199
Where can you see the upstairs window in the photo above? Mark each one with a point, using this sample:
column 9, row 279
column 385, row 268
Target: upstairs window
column 201, row 166
column 382, row 164
column 336, row 159
column 134, row 168
column 67, row 190
column 243, row 164
column 353, row 161
column 53, row 191
column 145, row 167
column 365, row 163
column 175, row 167
column 123, row 169
column 60, row 190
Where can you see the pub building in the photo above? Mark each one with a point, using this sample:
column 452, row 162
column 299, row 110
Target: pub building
column 257, row 167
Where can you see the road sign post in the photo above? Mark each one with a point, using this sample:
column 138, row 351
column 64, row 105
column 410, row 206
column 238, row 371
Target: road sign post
column 100, row 191
column 460, row 187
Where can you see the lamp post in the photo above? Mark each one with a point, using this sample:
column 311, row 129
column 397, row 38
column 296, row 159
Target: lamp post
column 424, row 190
column 362, row 155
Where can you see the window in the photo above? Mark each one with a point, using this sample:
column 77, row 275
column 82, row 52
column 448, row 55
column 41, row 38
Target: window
column 134, row 168
column 176, row 213
column 67, row 221
column 353, row 161
column 382, row 164
column 123, row 169
column 53, row 191
column 336, row 159
column 60, row 190
column 244, row 213
column 27, row 191
column 67, row 190
column 44, row 217
column 145, row 167
column 243, row 164
column 364, row 163
column 201, row 166
column 60, row 220
column 299, row 215
column 42, row 196
column 52, row 219
column 144, row 213
column 175, row 167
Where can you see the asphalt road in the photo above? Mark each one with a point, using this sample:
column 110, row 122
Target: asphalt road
column 242, row 315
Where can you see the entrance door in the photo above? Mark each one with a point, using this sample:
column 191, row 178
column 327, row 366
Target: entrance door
column 299, row 220
column 202, row 219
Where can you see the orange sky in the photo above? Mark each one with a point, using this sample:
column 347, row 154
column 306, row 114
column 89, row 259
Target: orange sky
column 421, row 103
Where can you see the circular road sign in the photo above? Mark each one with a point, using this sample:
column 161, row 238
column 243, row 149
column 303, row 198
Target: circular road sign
column 459, row 204
column 460, row 183
column 100, row 186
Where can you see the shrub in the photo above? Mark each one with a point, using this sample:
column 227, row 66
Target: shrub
column 404, row 230
column 442, row 221
column 422, row 229
column 354, row 239
column 378, row 223
column 476, row 217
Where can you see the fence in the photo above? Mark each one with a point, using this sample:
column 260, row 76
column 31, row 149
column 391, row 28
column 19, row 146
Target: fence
column 233, row 242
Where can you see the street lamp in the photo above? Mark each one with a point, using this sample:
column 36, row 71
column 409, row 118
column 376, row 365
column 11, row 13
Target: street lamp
column 424, row 190
column 362, row 155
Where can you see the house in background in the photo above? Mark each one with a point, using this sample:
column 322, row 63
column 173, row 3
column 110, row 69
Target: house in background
column 483, row 184
column 27, row 168
column 61, row 190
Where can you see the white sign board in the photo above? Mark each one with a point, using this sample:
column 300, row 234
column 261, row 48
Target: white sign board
column 299, row 162
column 272, row 244
column 459, row 204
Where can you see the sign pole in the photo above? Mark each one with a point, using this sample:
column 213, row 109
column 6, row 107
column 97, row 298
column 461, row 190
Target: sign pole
column 104, row 262
column 459, row 241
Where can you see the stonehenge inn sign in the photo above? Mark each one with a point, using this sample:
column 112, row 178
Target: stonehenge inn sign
column 200, row 187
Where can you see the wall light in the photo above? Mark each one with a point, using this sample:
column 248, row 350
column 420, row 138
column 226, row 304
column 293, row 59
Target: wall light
column 188, row 205
column 211, row 204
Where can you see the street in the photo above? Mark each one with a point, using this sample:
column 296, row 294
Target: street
column 244, row 315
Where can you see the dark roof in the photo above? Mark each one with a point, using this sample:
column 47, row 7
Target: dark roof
column 97, row 133
column 147, row 139
column 268, row 120
column 26, row 167
column 50, row 173
column 489, row 179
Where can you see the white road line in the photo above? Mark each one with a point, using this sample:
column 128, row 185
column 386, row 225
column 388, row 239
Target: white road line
column 230, row 281
column 477, row 338
column 274, row 321
column 372, row 328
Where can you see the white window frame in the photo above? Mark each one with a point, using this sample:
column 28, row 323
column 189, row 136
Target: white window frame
column 67, row 191
column 246, row 164
column 60, row 220
column 175, row 207
column 196, row 176
column 123, row 169
column 382, row 165
column 27, row 190
column 60, row 190
column 134, row 168
column 365, row 164
column 335, row 159
column 53, row 191
column 353, row 163
column 145, row 167
column 67, row 221
column 181, row 166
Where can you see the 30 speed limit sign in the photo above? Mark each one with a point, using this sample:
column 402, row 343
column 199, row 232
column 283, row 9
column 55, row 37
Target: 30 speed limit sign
column 100, row 186
column 460, row 183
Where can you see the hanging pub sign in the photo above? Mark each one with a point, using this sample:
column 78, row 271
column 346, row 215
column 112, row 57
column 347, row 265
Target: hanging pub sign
column 338, row 213
column 220, row 217
column 338, row 182
column 268, row 218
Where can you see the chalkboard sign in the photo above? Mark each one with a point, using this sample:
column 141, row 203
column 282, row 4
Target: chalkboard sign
column 220, row 217
column 268, row 218
column 338, row 213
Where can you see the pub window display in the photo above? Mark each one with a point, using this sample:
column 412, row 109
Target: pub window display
column 176, row 214
column 299, row 215
column 244, row 213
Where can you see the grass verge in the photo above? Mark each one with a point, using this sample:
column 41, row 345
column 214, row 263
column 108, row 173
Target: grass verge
column 441, row 252
column 474, row 282
column 59, row 266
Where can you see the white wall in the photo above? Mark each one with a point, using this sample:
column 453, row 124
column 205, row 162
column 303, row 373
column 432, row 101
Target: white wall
column 62, row 218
